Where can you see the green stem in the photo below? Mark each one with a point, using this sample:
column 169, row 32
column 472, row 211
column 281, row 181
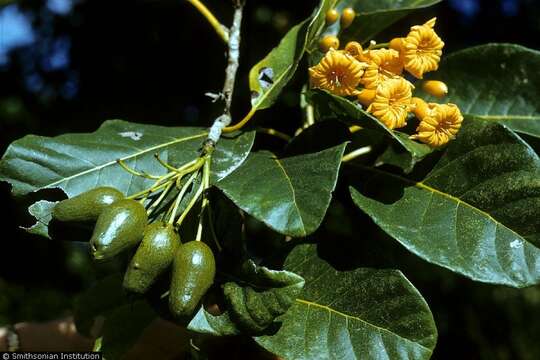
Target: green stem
column 180, row 196
column 158, row 201
column 191, row 204
column 378, row 46
column 206, row 185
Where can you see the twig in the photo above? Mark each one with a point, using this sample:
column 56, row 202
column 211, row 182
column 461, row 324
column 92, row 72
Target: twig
column 221, row 30
column 230, row 75
column 356, row 153
column 275, row 133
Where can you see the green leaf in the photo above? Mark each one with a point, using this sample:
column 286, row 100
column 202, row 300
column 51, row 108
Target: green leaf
column 268, row 78
column 123, row 326
column 42, row 212
column 373, row 16
column 476, row 213
column 290, row 195
column 495, row 82
column 358, row 314
column 262, row 296
column 78, row 162
column 205, row 323
column 329, row 106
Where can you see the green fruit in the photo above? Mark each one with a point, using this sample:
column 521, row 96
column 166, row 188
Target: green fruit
column 86, row 206
column 118, row 227
column 154, row 255
column 194, row 268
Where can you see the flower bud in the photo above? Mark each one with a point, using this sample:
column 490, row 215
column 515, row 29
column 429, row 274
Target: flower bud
column 435, row 88
column 332, row 16
column 347, row 17
column 329, row 42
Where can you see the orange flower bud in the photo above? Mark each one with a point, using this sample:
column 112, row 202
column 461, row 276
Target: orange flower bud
column 332, row 16
column 396, row 44
column 435, row 88
column 329, row 42
column 347, row 17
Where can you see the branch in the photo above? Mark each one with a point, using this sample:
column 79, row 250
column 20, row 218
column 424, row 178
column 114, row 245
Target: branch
column 221, row 30
column 230, row 75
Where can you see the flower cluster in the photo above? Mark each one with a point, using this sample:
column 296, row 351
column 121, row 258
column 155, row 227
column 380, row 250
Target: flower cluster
column 375, row 76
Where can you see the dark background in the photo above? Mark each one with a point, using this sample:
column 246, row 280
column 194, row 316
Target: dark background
column 66, row 66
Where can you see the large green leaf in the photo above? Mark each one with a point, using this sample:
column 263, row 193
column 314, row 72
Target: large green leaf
column 78, row 162
column 268, row 77
column 358, row 314
column 254, row 300
column 495, row 82
column 329, row 106
column 262, row 296
column 478, row 211
column 373, row 16
column 290, row 195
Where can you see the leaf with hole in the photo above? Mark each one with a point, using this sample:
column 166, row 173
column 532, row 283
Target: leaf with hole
column 76, row 163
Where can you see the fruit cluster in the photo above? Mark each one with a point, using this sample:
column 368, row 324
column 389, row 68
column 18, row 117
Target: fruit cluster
column 122, row 223
column 376, row 78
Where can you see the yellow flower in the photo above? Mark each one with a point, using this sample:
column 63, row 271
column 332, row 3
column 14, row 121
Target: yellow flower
column 393, row 102
column 338, row 72
column 384, row 64
column 354, row 49
column 439, row 125
column 422, row 49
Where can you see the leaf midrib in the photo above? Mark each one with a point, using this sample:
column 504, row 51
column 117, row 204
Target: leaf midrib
column 423, row 186
column 347, row 316
column 293, row 192
column 142, row 152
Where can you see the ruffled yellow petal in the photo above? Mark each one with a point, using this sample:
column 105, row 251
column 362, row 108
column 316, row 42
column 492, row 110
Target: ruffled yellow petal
column 384, row 64
column 422, row 49
column 356, row 50
column 393, row 102
column 440, row 125
column 338, row 72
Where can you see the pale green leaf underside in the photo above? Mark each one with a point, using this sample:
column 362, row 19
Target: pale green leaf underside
column 477, row 213
column 281, row 63
column 359, row 314
column 495, row 82
column 79, row 162
column 290, row 195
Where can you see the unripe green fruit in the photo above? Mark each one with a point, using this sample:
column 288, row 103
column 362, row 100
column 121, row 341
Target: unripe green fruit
column 194, row 268
column 86, row 206
column 154, row 255
column 118, row 227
